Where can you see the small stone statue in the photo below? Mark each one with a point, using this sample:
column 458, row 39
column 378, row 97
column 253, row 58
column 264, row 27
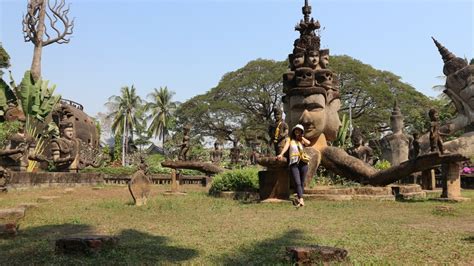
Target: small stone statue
column 235, row 153
column 416, row 145
column 359, row 150
column 436, row 143
column 185, row 144
column 4, row 179
column 278, row 131
column 216, row 154
column 19, row 150
column 66, row 149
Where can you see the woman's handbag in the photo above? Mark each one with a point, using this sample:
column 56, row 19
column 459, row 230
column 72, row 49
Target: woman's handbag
column 305, row 157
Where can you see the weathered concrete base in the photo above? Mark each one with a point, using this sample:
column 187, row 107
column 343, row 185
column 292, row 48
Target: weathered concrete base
column 274, row 184
column 408, row 192
column 453, row 200
column 343, row 194
column 316, row 255
column 239, row 195
column 22, row 180
column 433, row 193
column 85, row 244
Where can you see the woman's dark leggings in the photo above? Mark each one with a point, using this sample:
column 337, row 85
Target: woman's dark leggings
column 298, row 172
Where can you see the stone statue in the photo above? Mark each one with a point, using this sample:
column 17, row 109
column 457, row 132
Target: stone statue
column 19, row 150
column 216, row 154
column 312, row 99
column 460, row 88
column 235, row 153
column 396, row 146
column 278, row 131
column 436, row 143
column 4, row 179
column 185, row 144
column 415, row 145
column 66, row 150
column 359, row 150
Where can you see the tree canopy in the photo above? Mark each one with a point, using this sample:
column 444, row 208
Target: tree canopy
column 373, row 95
column 241, row 105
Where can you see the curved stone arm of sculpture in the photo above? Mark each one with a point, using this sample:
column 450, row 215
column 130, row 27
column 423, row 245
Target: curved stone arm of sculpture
column 338, row 161
column 11, row 152
column 207, row 168
column 63, row 160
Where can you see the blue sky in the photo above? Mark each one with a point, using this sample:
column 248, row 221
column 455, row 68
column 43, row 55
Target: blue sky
column 188, row 45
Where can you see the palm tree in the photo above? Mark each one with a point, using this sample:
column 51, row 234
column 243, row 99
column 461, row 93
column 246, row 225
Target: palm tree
column 125, row 119
column 161, row 108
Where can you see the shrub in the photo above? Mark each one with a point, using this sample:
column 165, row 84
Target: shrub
column 382, row 165
column 235, row 180
column 115, row 171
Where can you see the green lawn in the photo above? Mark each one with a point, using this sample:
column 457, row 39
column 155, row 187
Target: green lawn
column 198, row 229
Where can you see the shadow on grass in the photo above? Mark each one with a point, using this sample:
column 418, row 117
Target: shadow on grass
column 36, row 246
column 269, row 251
column 469, row 239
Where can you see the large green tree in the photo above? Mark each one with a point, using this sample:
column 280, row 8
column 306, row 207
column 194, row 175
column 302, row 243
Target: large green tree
column 373, row 93
column 161, row 108
column 241, row 105
column 124, row 113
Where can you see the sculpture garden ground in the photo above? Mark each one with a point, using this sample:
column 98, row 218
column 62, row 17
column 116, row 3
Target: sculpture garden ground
column 202, row 229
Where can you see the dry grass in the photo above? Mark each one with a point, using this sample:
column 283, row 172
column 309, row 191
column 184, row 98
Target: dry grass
column 199, row 229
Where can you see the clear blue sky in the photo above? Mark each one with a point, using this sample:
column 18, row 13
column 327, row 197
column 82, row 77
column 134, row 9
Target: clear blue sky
column 188, row 45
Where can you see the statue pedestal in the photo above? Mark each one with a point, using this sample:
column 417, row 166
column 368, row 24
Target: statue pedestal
column 174, row 186
column 452, row 184
column 274, row 183
column 428, row 180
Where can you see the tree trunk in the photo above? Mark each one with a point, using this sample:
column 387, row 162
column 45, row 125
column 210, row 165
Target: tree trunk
column 36, row 63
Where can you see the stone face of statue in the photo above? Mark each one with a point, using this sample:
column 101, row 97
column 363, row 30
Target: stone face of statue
column 313, row 59
column 333, row 123
column 298, row 60
column 310, row 111
column 68, row 133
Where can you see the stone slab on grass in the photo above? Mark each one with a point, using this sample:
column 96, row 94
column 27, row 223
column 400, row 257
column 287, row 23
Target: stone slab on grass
column 8, row 230
column 316, row 255
column 47, row 198
column 11, row 215
column 85, row 244
column 139, row 188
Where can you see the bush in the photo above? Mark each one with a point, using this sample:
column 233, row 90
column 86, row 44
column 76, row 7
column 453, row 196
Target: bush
column 235, row 180
column 382, row 165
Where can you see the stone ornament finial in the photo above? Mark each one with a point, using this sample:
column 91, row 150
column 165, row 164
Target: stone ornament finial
column 445, row 53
